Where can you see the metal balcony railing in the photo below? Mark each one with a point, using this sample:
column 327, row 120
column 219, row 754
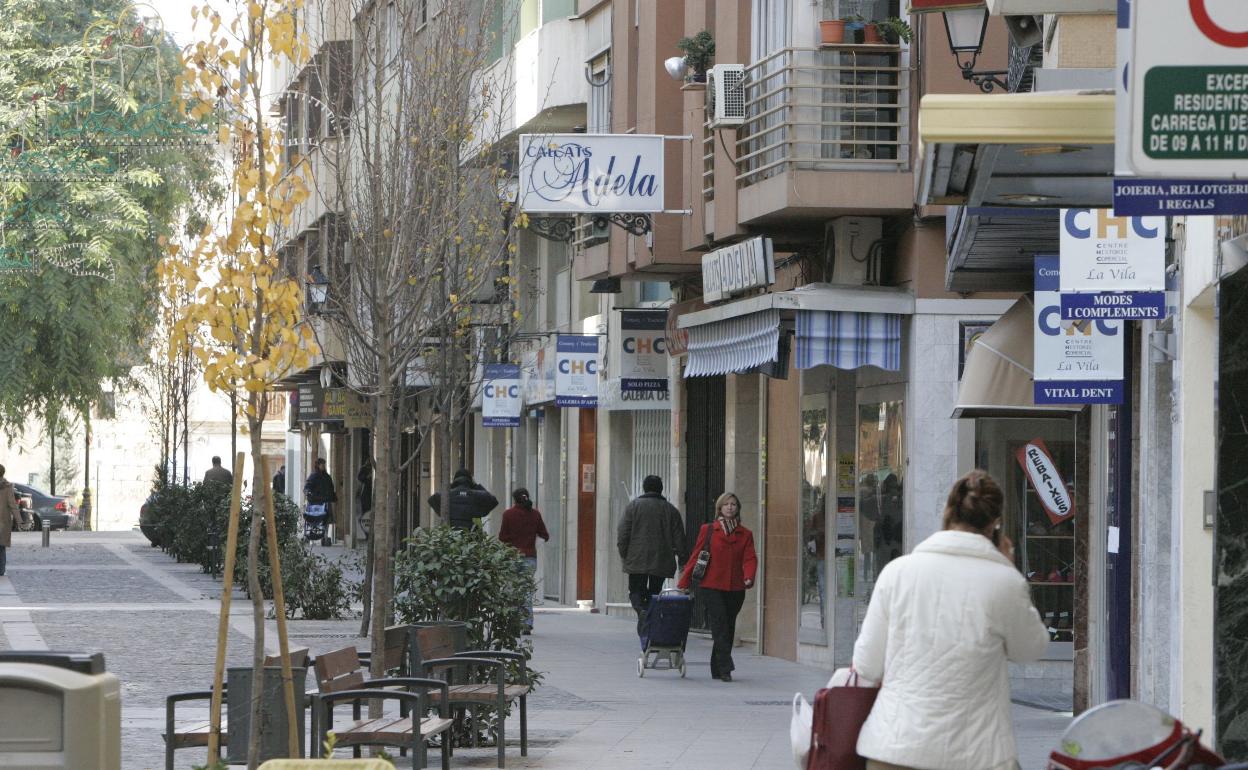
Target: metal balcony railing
column 844, row 108
column 708, row 162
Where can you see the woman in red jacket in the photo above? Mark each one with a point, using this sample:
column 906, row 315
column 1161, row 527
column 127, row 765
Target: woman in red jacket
column 729, row 572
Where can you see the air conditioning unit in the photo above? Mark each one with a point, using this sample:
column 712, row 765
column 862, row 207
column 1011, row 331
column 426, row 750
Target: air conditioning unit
column 850, row 246
column 725, row 95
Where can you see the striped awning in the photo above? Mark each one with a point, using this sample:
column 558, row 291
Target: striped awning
column 734, row 344
column 848, row 340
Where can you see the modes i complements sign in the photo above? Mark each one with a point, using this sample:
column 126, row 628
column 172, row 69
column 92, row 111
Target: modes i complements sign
column 1112, row 266
column 1075, row 361
column 1189, row 88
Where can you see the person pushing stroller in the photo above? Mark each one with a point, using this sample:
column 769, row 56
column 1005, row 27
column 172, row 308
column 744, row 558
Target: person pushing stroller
column 320, row 494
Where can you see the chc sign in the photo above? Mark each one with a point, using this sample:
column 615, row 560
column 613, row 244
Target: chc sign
column 1112, row 266
column 500, row 396
column 642, row 353
column 576, row 370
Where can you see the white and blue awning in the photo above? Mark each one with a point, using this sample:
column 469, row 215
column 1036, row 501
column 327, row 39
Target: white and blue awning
column 848, row 340
column 734, row 344
column 844, row 326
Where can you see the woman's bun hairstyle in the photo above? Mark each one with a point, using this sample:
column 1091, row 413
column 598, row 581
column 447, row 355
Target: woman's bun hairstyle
column 975, row 501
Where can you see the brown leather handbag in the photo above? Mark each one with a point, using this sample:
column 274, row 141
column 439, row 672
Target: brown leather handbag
column 840, row 713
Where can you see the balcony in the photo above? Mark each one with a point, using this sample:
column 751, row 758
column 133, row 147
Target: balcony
column 827, row 133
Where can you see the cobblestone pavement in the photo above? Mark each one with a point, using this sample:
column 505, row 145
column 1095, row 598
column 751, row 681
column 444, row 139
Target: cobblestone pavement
column 156, row 622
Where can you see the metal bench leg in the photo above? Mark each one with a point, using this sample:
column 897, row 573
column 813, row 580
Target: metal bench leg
column 502, row 735
column 446, row 749
column 524, row 725
column 418, row 748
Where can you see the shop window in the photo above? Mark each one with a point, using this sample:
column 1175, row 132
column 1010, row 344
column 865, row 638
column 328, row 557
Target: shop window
column 814, row 591
column 1043, row 550
column 881, row 474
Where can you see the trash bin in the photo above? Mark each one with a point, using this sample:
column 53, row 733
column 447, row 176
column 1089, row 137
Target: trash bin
column 69, row 712
column 273, row 737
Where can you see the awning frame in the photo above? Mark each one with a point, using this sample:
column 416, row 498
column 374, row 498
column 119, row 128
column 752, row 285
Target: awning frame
column 815, row 296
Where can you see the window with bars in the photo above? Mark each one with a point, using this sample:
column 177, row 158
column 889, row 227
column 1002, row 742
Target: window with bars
column 652, row 454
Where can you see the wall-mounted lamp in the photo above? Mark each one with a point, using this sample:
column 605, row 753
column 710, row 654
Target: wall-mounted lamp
column 966, row 29
column 318, row 289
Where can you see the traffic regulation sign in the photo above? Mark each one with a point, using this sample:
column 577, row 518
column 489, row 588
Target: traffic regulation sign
column 1189, row 89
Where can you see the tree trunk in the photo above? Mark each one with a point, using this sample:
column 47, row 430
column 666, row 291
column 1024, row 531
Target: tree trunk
column 258, row 489
column 86, row 473
column 366, row 590
column 383, row 582
column 52, row 465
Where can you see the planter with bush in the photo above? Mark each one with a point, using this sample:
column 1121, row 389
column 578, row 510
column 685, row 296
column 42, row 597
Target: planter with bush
column 699, row 54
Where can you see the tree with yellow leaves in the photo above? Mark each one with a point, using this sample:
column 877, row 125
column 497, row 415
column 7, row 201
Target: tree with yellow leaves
column 244, row 318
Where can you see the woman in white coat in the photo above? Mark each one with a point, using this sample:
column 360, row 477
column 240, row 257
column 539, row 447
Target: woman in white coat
column 941, row 625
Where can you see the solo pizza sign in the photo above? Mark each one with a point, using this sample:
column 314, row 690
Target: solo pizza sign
column 1189, row 88
column 1041, row 471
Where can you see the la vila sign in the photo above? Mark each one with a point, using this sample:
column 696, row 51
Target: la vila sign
column 591, row 173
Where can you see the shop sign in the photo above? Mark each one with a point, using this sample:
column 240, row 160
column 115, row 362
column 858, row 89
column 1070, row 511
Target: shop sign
column 642, row 350
column 677, row 339
column 733, row 269
column 348, row 407
column 1075, row 361
column 500, row 396
column 311, row 402
column 591, row 173
column 576, row 370
column 615, row 399
column 1112, row 266
column 931, row 6
column 1189, row 89
column 1041, row 471
column 539, row 375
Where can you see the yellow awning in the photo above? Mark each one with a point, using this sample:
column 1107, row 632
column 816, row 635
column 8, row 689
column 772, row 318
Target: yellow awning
column 1034, row 150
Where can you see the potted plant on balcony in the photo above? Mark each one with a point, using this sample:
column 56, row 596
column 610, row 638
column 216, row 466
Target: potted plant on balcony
column 699, row 53
column 832, row 31
column 894, row 30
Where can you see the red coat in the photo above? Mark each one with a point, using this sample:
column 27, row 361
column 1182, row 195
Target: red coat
column 521, row 528
column 733, row 560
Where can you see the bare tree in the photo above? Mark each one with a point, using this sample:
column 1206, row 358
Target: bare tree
column 413, row 169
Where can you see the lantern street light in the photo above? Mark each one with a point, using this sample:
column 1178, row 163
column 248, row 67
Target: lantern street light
column 318, row 289
column 966, row 29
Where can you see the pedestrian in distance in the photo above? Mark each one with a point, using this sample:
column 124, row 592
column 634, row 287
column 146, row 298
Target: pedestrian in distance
column 940, row 627
column 522, row 526
column 725, row 548
column 469, row 501
column 364, row 496
column 10, row 517
column 279, row 480
column 319, row 490
column 217, row 473
column 651, row 542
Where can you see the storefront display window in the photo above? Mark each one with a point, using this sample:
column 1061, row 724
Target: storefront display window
column 1044, row 538
column 881, row 474
column 814, row 592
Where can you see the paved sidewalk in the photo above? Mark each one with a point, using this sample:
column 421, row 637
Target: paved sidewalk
column 155, row 621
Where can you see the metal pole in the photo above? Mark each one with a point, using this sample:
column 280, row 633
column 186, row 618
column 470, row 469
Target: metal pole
column 47, row 533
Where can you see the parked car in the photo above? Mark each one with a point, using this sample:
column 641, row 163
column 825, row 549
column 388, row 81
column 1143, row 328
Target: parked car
column 58, row 510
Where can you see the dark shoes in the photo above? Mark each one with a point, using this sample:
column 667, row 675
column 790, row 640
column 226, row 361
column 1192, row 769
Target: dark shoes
column 527, row 632
column 722, row 677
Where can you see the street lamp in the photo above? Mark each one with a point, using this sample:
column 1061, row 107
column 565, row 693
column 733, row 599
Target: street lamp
column 966, row 29
column 318, row 289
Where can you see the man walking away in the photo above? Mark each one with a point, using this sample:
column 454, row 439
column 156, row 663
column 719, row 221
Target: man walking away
column 522, row 526
column 10, row 517
column 364, row 497
column 469, row 500
column 217, row 473
column 279, row 480
column 651, row 540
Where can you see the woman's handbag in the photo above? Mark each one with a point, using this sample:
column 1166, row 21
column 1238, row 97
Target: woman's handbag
column 704, row 556
column 840, row 713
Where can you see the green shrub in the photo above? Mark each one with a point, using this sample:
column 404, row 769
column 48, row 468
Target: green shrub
column 314, row 587
column 182, row 517
column 466, row 575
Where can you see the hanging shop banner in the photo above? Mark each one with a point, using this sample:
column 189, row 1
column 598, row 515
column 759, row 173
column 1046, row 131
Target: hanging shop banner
column 1189, row 89
column 733, row 269
column 642, row 352
column 1041, row 471
column 347, row 406
column 591, row 173
column 576, row 370
column 500, row 396
column 1112, row 266
column 1077, row 361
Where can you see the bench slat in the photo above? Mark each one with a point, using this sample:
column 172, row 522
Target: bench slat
column 390, row 729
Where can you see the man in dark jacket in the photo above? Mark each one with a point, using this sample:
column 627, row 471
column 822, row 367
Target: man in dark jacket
column 651, row 540
column 217, row 473
column 469, row 500
column 319, row 488
column 279, row 480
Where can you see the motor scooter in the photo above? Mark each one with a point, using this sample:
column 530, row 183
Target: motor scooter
column 1130, row 735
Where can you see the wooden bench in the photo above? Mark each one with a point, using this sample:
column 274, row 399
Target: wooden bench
column 191, row 733
column 340, row 678
column 433, row 650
